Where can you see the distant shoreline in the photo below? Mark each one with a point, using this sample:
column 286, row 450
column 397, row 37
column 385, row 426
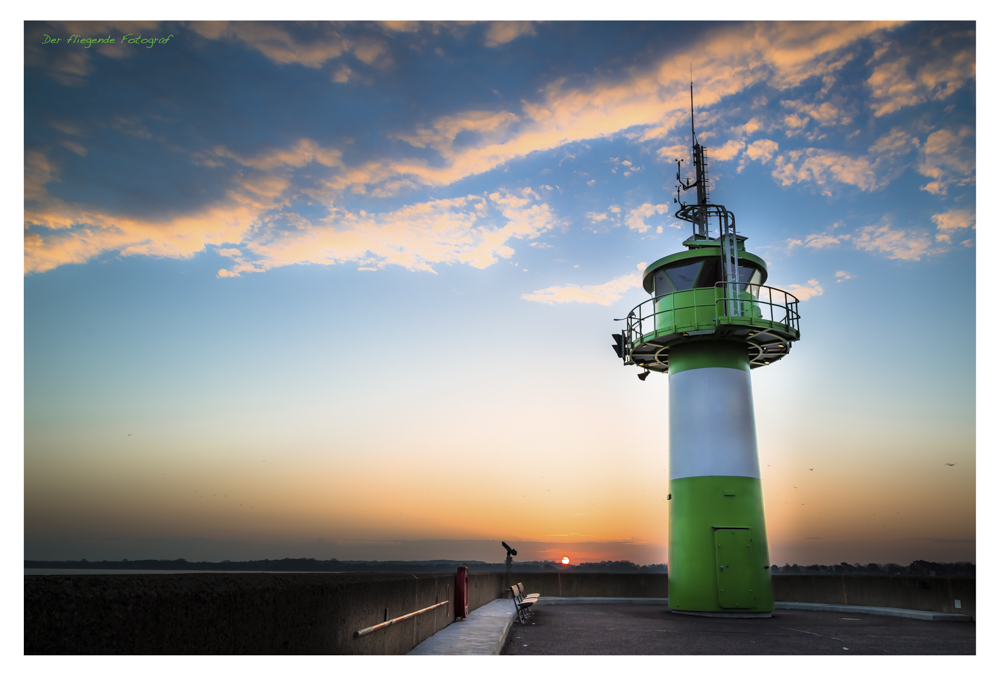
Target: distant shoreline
column 151, row 566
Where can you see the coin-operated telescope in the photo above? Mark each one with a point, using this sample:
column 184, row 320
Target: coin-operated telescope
column 511, row 553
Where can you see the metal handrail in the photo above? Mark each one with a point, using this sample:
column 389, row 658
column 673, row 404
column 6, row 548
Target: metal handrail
column 780, row 307
column 383, row 625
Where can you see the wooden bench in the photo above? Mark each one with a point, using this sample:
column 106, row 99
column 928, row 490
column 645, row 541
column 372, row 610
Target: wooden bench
column 522, row 602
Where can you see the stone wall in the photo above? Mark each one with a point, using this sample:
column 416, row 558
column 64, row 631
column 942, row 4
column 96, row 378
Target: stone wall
column 318, row 613
column 885, row 591
column 243, row 613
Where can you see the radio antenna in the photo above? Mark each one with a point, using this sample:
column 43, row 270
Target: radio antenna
column 694, row 138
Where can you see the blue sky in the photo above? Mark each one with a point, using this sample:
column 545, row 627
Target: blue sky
column 355, row 273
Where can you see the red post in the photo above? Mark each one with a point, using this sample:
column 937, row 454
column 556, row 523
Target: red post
column 462, row 593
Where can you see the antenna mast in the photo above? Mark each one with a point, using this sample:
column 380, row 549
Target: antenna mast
column 700, row 213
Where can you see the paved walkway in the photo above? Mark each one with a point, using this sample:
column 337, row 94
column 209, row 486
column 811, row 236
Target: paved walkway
column 875, row 610
column 651, row 629
column 482, row 633
column 626, row 626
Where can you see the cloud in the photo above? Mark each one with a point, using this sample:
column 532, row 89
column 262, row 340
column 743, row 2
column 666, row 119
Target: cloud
column 804, row 293
column 735, row 57
column 444, row 130
column 895, row 142
column 453, row 147
column 824, row 114
column 37, row 173
column 898, row 83
column 70, row 128
column 762, row 150
column 304, row 45
column 636, row 218
column 251, row 228
column 239, row 265
column 343, row 74
column 58, row 234
column 894, row 243
column 949, row 158
column 888, row 241
column 472, row 230
column 843, row 276
column 74, row 147
column 820, row 166
column 950, row 221
column 728, row 151
column 819, row 240
column 671, row 153
column 132, row 126
column 502, row 32
column 601, row 294
column 869, row 172
column 304, row 152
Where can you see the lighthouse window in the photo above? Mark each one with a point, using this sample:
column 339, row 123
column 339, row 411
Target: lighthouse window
column 710, row 274
column 662, row 284
column 684, row 276
column 751, row 275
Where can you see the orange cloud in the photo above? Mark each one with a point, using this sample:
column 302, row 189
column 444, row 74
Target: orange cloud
column 949, row 160
column 602, row 294
column 76, row 236
column 58, row 232
column 275, row 42
column 37, row 173
column 502, row 32
column 893, row 88
column 950, row 221
column 728, row 151
column 870, row 172
column 417, row 237
column 302, row 153
column 895, row 243
column 762, row 150
column 814, row 165
column 729, row 60
column 819, row 240
column 804, row 293
column 824, row 114
column 636, row 219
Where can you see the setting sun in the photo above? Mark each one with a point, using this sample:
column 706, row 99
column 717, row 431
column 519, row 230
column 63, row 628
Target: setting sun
column 565, row 560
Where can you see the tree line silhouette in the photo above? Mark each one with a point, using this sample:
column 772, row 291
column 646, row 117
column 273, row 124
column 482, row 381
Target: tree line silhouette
column 921, row 568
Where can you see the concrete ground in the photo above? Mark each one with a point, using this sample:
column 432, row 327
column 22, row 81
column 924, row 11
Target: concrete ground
column 638, row 629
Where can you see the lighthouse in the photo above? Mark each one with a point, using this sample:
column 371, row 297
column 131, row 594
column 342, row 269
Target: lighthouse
column 710, row 322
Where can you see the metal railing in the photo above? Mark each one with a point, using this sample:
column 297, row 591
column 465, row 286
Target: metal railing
column 752, row 305
column 389, row 623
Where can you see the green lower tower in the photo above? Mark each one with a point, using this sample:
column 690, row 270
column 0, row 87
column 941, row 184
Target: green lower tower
column 710, row 322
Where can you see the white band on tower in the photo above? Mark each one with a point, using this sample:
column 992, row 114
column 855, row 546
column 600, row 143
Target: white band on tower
column 712, row 431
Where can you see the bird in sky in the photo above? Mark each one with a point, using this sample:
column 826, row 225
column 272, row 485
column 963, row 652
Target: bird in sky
column 950, row 464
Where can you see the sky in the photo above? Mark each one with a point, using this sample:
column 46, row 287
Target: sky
column 347, row 289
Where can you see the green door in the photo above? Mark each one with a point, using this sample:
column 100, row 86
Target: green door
column 734, row 567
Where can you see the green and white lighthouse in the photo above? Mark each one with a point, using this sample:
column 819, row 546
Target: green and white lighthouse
column 710, row 322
